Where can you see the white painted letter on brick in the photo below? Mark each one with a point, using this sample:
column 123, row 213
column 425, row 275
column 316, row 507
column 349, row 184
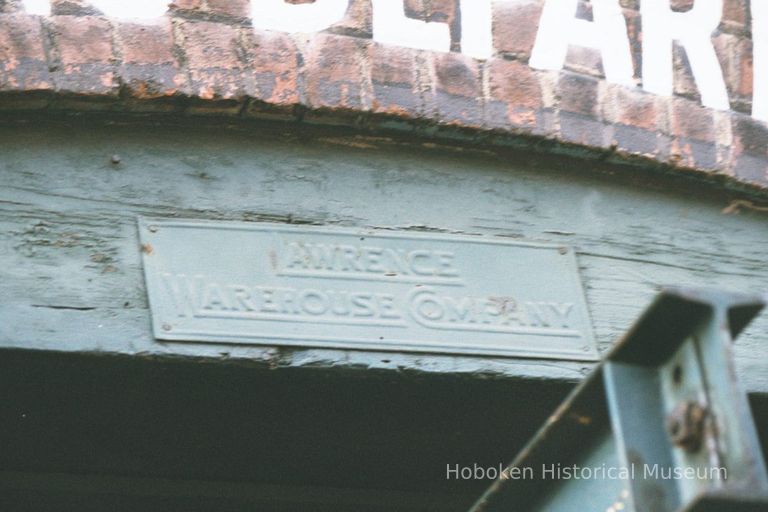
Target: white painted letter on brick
column 760, row 59
column 39, row 7
column 560, row 28
column 477, row 28
column 139, row 9
column 392, row 26
column 693, row 30
column 285, row 17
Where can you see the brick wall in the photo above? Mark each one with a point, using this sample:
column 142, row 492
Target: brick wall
column 205, row 58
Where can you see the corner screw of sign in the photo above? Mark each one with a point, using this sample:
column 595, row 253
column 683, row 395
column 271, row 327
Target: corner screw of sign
column 685, row 425
column 115, row 159
column 166, row 327
column 563, row 250
column 152, row 229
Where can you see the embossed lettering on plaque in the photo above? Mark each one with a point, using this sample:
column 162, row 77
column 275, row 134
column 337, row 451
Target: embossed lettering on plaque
column 276, row 284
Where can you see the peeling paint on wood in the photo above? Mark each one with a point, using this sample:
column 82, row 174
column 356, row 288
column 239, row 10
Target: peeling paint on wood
column 70, row 257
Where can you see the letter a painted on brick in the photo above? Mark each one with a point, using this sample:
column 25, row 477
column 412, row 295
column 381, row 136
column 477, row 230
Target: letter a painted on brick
column 560, row 28
column 392, row 26
column 693, row 31
column 285, row 17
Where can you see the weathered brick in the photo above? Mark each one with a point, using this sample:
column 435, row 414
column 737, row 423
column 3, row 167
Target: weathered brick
column 631, row 107
column 752, row 169
column 736, row 14
column 11, row 6
column 750, row 136
column 588, row 61
column 683, row 81
column 74, row 8
column 583, row 130
column 694, row 154
column 634, row 32
column 235, row 9
column 187, row 4
column 634, row 140
column 274, row 60
column 357, row 22
column 743, row 83
column 23, row 65
column 735, row 57
column 83, row 45
column 395, row 81
column 515, row 25
column 333, row 72
column 514, row 94
column 458, row 92
column 443, row 11
column 149, row 69
column 579, row 94
column 213, row 58
column 689, row 120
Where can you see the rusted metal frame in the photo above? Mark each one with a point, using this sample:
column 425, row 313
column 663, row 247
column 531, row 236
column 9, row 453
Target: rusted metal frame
column 666, row 396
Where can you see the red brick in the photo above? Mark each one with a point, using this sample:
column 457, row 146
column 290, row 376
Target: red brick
column 634, row 32
column 515, row 94
column 588, row 61
column 357, row 22
column 458, row 91
column 274, row 60
column 690, row 120
column 457, row 74
column 333, row 72
column 684, row 84
column 235, row 8
column 231, row 8
column 83, row 45
column 23, row 65
column 213, row 59
column 579, row 94
column 73, row 7
column 749, row 136
column 735, row 56
column 442, row 11
column 395, row 81
column 585, row 131
column 515, row 25
column 631, row 107
column 746, row 75
column 736, row 11
column 149, row 68
column 187, row 4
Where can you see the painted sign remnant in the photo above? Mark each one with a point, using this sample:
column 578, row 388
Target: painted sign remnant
column 559, row 28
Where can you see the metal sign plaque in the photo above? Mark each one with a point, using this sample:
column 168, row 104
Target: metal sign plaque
column 275, row 284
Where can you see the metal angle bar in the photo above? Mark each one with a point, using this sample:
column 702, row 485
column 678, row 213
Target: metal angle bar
column 660, row 425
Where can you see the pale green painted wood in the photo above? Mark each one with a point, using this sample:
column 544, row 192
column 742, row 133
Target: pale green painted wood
column 70, row 274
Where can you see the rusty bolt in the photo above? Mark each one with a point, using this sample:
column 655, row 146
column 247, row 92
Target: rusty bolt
column 685, row 425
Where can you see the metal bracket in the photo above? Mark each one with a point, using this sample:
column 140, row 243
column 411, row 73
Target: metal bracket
column 661, row 425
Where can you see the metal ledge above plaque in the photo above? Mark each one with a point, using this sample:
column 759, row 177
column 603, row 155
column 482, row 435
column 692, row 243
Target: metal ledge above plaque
column 275, row 284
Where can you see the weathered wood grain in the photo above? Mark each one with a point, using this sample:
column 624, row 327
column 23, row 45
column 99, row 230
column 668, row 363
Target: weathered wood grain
column 70, row 271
